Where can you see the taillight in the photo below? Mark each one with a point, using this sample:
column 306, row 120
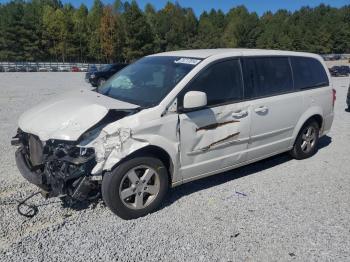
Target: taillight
column 334, row 92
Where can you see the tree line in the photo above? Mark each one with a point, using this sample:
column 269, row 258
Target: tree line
column 47, row 30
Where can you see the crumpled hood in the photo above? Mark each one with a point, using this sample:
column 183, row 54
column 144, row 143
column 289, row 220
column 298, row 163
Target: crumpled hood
column 68, row 116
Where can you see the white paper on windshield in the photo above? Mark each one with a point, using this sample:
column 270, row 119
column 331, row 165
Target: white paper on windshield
column 188, row 61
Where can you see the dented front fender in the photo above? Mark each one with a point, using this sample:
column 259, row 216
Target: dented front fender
column 128, row 135
column 111, row 148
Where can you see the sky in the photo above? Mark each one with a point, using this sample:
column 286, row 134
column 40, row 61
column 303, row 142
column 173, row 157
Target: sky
column 253, row 5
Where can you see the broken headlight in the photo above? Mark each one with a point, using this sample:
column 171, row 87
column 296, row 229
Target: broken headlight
column 67, row 165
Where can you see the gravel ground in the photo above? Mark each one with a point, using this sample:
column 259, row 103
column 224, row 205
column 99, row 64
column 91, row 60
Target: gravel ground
column 288, row 209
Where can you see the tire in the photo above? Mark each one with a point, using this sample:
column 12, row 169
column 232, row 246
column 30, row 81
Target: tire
column 306, row 143
column 138, row 200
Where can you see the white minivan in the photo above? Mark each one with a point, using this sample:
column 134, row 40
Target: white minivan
column 171, row 118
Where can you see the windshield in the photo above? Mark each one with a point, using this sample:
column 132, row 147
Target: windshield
column 147, row 81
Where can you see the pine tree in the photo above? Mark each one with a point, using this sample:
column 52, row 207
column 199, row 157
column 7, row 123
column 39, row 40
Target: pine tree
column 242, row 28
column 36, row 30
column 138, row 34
column 57, row 28
column 94, row 21
column 170, row 27
column 12, row 32
column 210, row 30
column 112, row 38
column 152, row 17
column 80, row 34
column 275, row 31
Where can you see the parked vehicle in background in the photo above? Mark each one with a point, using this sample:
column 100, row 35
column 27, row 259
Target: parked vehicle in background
column 175, row 117
column 47, row 67
column 339, row 70
column 99, row 77
column 334, row 71
column 344, row 70
column 2, row 69
column 91, row 69
column 63, row 69
column 31, row 69
column 21, row 69
column 83, row 69
column 334, row 57
column 53, row 69
column 43, row 69
column 75, row 69
column 11, row 69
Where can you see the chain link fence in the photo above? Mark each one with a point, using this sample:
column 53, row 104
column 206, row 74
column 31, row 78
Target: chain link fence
column 47, row 67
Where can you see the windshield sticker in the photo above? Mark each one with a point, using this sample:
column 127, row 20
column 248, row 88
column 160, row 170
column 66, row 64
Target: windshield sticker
column 188, row 61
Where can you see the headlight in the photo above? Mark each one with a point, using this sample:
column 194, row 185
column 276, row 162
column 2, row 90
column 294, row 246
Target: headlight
column 92, row 76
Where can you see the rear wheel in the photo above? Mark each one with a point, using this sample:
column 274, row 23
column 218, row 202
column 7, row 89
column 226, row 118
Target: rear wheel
column 306, row 143
column 136, row 187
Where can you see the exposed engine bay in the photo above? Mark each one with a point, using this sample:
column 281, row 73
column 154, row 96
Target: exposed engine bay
column 62, row 168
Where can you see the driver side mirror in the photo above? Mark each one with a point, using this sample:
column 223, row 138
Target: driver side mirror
column 194, row 99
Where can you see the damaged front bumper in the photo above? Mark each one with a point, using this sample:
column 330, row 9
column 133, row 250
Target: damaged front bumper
column 59, row 169
column 27, row 173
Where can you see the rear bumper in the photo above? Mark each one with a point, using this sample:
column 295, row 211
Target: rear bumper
column 26, row 172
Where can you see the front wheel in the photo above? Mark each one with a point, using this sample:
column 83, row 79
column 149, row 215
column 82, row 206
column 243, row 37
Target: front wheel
column 306, row 143
column 136, row 187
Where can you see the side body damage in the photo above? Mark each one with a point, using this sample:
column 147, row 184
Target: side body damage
column 126, row 136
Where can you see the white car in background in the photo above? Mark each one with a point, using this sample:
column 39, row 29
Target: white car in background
column 83, row 68
column 43, row 69
column 63, row 68
column 171, row 118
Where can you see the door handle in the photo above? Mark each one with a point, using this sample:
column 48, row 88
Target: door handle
column 240, row 114
column 261, row 109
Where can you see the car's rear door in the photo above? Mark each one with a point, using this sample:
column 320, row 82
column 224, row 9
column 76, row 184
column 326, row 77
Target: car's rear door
column 215, row 137
column 275, row 107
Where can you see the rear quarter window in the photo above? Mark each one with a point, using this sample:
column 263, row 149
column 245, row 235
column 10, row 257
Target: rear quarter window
column 308, row 73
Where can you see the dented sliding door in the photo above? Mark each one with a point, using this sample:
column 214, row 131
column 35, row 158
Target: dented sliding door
column 213, row 139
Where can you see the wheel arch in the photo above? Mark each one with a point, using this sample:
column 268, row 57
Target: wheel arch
column 155, row 151
column 318, row 119
column 312, row 114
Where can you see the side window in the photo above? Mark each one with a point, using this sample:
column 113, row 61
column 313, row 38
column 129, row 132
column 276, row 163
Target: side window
column 222, row 82
column 264, row 76
column 308, row 73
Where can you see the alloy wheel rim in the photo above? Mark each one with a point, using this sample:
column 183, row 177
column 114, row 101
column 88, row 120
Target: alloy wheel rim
column 308, row 139
column 139, row 187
